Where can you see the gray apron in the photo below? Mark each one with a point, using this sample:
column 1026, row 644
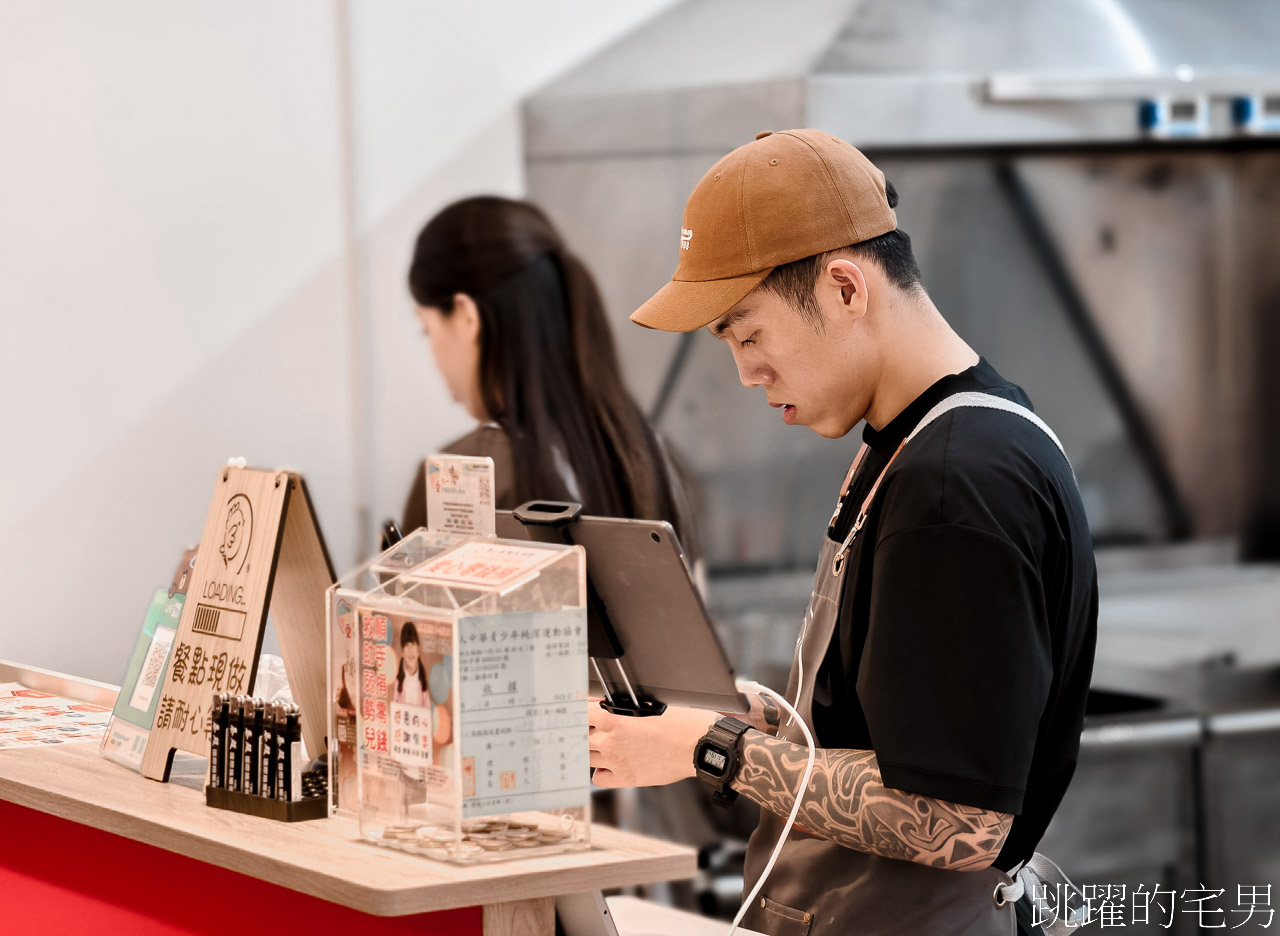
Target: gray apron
column 818, row 887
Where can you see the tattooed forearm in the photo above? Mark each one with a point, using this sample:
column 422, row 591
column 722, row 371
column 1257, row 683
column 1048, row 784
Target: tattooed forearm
column 848, row 803
column 764, row 714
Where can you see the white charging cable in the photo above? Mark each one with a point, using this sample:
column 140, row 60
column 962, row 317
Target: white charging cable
column 746, row 685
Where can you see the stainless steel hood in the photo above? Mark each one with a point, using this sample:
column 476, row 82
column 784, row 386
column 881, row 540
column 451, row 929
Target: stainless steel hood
column 890, row 73
column 1126, row 280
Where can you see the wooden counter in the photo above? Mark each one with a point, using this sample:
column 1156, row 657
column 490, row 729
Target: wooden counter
column 322, row 858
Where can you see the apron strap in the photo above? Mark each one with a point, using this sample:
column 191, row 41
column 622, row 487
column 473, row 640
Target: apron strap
column 986, row 401
column 848, row 479
column 955, row 401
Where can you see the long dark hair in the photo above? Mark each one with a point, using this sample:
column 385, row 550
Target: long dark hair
column 409, row 635
column 549, row 371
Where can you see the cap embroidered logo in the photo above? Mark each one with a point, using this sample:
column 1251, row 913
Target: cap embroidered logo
column 686, row 235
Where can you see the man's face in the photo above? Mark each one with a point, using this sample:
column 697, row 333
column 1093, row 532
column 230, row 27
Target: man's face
column 813, row 378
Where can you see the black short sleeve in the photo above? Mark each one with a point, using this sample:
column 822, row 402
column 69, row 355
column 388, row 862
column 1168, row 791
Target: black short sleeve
column 957, row 665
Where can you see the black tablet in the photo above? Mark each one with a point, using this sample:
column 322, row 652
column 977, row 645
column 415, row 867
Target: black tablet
column 669, row 649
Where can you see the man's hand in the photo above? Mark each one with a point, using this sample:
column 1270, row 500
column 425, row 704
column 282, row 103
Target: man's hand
column 650, row 751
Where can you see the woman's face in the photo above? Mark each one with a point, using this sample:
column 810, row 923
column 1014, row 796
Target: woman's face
column 409, row 652
column 455, row 345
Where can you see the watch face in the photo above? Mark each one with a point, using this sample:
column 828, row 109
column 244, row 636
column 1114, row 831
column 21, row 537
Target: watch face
column 713, row 761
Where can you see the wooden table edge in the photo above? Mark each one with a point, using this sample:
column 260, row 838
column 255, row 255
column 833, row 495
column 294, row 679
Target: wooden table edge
column 393, row 900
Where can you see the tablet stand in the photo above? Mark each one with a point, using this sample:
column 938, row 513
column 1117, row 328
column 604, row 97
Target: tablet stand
column 552, row 522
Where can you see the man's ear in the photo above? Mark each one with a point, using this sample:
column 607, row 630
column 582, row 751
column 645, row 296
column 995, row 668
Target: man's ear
column 466, row 316
column 843, row 275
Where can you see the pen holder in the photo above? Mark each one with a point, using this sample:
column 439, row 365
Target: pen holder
column 315, row 807
column 255, row 762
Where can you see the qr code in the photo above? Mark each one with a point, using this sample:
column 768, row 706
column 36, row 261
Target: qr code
column 154, row 665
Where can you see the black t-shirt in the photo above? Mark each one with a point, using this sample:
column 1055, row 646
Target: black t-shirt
column 969, row 613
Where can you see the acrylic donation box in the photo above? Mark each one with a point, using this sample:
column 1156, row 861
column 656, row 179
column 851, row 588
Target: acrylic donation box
column 470, row 673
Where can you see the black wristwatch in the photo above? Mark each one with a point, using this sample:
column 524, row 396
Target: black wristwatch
column 717, row 756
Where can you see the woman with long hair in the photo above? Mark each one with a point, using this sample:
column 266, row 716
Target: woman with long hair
column 519, row 333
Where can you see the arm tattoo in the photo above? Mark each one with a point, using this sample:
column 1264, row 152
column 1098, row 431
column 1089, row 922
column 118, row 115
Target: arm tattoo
column 764, row 715
column 772, row 717
column 848, row 803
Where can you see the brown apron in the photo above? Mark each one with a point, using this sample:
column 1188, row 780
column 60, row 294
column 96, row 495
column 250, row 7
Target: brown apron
column 818, row 887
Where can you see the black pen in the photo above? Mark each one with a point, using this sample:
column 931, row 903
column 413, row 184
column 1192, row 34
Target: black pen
column 268, row 757
column 251, row 747
column 218, row 742
column 284, row 764
column 390, row 534
column 235, row 742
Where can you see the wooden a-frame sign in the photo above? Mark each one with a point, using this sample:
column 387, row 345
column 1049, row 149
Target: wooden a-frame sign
column 261, row 550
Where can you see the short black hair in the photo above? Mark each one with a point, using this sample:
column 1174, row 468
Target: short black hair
column 794, row 282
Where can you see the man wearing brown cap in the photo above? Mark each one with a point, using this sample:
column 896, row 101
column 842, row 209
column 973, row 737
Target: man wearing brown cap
column 944, row 661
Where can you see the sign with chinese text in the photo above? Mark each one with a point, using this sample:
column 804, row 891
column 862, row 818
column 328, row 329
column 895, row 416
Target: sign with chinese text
column 460, row 494
column 523, row 721
column 260, row 550
column 482, row 564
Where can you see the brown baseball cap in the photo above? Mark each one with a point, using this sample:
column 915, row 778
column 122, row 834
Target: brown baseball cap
column 780, row 198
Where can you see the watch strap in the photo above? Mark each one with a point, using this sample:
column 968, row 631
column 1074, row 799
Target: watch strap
column 724, row 735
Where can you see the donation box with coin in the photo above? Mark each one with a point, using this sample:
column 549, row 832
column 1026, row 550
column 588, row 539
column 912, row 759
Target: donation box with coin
column 471, row 709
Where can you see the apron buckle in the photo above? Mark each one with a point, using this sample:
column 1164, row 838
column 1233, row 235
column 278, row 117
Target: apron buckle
column 1032, row 879
column 838, row 563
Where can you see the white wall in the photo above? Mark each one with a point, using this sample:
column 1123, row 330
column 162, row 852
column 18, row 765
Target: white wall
column 436, row 87
column 172, row 278
column 171, row 290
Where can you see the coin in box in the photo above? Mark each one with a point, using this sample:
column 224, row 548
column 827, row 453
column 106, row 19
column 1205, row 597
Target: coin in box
column 436, row 835
column 519, row 835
